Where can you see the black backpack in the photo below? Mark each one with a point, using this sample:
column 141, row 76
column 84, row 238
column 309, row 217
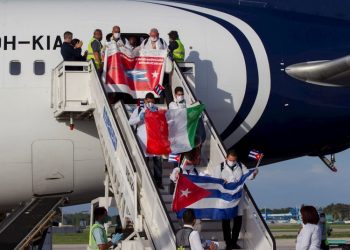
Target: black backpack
column 183, row 238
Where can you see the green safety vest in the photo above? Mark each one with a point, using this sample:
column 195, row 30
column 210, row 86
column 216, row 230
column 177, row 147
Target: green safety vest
column 90, row 54
column 92, row 241
column 179, row 53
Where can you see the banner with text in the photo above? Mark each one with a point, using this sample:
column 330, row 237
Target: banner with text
column 135, row 73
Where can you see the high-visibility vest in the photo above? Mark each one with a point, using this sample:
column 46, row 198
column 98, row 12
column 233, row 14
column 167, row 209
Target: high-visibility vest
column 92, row 241
column 179, row 53
column 90, row 54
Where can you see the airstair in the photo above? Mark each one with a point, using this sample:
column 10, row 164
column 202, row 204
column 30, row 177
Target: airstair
column 29, row 223
column 77, row 93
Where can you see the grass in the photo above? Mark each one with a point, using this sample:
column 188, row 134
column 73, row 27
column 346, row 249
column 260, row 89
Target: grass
column 290, row 231
column 281, row 231
column 72, row 238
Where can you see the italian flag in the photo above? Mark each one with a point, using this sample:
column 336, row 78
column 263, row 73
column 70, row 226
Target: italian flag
column 172, row 131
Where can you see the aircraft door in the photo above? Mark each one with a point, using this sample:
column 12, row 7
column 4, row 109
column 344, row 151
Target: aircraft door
column 53, row 167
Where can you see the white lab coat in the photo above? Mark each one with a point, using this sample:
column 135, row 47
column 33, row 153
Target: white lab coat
column 159, row 45
column 309, row 237
column 120, row 43
column 187, row 170
column 135, row 120
column 234, row 176
column 177, row 105
column 195, row 239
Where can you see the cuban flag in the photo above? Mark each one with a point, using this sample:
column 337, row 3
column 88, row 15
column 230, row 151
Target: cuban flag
column 141, row 103
column 256, row 155
column 135, row 73
column 158, row 89
column 174, row 158
column 209, row 197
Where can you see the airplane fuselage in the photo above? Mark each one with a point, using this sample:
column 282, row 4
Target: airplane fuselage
column 240, row 53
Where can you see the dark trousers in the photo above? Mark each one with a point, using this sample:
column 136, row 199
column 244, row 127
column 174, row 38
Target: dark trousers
column 167, row 94
column 231, row 237
column 324, row 246
column 157, row 168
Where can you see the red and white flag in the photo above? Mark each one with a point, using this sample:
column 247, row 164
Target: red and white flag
column 134, row 73
column 172, row 131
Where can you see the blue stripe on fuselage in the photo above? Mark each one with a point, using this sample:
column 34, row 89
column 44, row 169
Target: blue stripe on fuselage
column 251, row 67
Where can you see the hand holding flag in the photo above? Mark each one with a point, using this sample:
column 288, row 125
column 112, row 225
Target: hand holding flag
column 209, row 197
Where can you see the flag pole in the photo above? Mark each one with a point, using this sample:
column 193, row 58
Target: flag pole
column 259, row 161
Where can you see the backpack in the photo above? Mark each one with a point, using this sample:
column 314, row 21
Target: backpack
column 183, row 238
column 222, row 165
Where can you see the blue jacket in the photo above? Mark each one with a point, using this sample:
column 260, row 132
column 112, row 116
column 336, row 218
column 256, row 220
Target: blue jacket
column 69, row 53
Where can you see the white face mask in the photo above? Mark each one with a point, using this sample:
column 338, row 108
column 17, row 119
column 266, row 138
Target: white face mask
column 116, row 35
column 230, row 163
column 154, row 39
column 322, row 220
column 180, row 98
column 149, row 104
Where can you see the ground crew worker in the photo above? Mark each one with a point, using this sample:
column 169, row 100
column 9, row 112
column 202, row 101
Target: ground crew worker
column 154, row 41
column 95, row 49
column 137, row 119
column 98, row 236
column 187, row 238
column 176, row 48
column 232, row 170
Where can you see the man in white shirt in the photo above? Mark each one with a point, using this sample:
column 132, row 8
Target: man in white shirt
column 154, row 41
column 137, row 119
column 187, row 237
column 118, row 40
column 232, row 170
column 179, row 102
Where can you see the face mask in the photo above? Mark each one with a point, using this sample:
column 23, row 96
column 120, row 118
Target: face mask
column 154, row 39
column 116, row 35
column 180, row 98
column 322, row 220
column 230, row 163
column 149, row 105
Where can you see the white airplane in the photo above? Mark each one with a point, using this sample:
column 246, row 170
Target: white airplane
column 34, row 145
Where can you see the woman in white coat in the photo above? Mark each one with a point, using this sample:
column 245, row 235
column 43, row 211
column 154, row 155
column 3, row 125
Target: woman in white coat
column 310, row 236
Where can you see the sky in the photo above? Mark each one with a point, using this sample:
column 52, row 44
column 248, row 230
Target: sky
column 291, row 183
column 304, row 180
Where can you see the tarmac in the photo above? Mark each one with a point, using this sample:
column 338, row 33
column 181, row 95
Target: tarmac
column 282, row 244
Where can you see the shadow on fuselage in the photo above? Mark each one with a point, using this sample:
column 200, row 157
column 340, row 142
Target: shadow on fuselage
column 218, row 102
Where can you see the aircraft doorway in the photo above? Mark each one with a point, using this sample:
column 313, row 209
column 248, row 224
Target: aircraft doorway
column 53, row 167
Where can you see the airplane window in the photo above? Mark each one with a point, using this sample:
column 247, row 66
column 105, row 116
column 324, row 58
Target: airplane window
column 39, row 68
column 15, row 68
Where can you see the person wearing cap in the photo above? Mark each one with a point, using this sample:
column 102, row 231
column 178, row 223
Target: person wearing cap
column 176, row 48
column 154, row 41
column 137, row 119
